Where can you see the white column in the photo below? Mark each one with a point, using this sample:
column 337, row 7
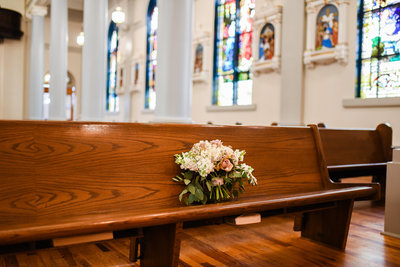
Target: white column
column 58, row 59
column 291, row 112
column 311, row 23
column 174, row 61
column 37, row 63
column 94, row 60
column 278, row 34
column 343, row 21
column 392, row 211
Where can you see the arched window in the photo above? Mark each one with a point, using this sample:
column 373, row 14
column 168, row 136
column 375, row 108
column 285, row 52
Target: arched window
column 151, row 61
column 378, row 55
column 112, row 100
column 232, row 84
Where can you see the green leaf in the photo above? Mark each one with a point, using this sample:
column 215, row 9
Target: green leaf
column 235, row 193
column 192, row 189
column 226, row 192
column 191, row 198
column 198, row 186
column 223, row 193
column 187, row 181
column 188, row 175
column 181, row 194
column 236, row 175
column 217, row 193
column 199, row 194
column 209, row 186
column 177, row 178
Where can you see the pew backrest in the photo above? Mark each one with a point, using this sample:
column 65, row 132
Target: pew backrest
column 64, row 178
column 357, row 146
column 66, row 169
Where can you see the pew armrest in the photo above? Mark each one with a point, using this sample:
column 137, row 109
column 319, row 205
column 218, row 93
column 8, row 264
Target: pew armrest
column 375, row 186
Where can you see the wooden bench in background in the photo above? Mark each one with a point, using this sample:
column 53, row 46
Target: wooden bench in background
column 358, row 152
column 62, row 179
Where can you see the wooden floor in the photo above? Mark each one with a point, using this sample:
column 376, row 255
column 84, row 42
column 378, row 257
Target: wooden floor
column 270, row 243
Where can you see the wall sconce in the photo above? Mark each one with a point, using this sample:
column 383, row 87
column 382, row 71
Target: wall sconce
column 118, row 16
column 80, row 39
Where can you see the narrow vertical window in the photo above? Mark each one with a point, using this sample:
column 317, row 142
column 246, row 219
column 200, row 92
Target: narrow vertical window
column 233, row 57
column 112, row 100
column 151, row 62
column 378, row 55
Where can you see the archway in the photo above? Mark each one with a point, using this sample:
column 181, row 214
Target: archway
column 70, row 102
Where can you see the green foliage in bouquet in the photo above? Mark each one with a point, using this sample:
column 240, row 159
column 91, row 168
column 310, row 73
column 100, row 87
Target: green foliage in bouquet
column 212, row 173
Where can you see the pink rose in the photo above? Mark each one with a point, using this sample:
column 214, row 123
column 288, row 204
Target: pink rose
column 216, row 142
column 217, row 181
column 225, row 164
column 203, row 146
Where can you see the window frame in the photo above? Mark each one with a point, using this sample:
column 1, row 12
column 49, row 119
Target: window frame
column 150, row 9
column 235, row 56
column 113, row 27
column 359, row 46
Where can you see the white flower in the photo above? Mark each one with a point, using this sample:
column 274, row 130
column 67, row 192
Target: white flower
column 249, row 171
column 205, row 156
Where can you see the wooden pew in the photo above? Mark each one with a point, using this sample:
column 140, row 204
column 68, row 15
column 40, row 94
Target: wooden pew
column 358, row 152
column 61, row 179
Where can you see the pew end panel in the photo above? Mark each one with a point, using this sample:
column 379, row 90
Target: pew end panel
column 358, row 152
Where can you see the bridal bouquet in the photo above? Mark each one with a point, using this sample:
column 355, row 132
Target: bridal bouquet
column 212, row 173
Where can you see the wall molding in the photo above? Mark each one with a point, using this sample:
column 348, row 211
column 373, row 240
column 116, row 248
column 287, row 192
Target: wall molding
column 371, row 102
column 214, row 108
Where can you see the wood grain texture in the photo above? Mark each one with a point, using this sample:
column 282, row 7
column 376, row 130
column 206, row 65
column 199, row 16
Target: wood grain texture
column 156, row 239
column 358, row 152
column 357, row 146
column 329, row 226
column 74, row 178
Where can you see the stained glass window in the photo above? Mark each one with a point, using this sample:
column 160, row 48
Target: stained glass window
column 378, row 63
column 151, row 64
column 112, row 100
column 232, row 52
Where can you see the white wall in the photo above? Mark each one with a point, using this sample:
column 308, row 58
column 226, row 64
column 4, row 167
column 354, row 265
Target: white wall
column 12, row 65
column 324, row 87
column 266, row 93
column 327, row 86
column 16, row 5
